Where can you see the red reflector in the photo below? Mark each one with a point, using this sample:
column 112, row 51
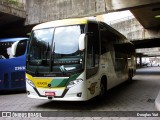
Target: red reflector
column 49, row 93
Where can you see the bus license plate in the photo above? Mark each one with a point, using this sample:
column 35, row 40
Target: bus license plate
column 49, row 93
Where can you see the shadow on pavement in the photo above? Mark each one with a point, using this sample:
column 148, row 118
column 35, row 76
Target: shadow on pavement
column 9, row 92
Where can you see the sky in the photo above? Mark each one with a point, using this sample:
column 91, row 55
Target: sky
column 116, row 15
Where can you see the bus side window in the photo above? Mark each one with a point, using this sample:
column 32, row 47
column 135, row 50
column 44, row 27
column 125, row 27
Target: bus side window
column 21, row 48
column 93, row 49
column 120, row 56
column 106, row 39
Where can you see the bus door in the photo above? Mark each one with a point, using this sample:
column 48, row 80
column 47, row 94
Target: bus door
column 92, row 60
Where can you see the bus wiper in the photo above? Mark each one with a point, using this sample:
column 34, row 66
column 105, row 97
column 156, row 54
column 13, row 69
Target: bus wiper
column 52, row 57
column 36, row 71
column 63, row 70
column 47, row 51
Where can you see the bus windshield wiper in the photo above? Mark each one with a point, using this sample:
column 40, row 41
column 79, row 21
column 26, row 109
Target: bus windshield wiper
column 47, row 51
column 52, row 57
column 36, row 71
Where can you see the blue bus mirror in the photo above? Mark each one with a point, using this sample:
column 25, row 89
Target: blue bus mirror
column 82, row 42
column 14, row 47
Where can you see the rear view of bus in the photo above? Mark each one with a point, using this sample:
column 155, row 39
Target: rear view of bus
column 12, row 66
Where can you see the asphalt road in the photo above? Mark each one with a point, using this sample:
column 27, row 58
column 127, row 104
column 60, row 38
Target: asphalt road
column 139, row 95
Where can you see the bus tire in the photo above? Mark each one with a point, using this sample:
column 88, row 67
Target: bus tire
column 103, row 88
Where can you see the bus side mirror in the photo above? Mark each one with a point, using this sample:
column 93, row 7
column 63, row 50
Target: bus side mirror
column 14, row 48
column 82, row 42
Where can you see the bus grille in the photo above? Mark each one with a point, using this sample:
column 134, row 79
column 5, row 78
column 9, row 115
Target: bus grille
column 6, row 80
column 18, row 79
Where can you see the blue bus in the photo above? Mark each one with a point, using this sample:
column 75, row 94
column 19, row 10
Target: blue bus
column 12, row 66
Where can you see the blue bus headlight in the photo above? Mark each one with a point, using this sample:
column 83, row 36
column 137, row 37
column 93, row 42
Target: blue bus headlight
column 74, row 82
column 30, row 82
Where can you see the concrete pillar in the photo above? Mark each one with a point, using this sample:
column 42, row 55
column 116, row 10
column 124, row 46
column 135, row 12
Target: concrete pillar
column 140, row 60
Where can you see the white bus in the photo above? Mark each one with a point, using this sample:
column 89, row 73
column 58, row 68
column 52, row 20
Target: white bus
column 76, row 60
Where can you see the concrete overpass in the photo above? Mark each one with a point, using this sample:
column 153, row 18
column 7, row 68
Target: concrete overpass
column 144, row 10
column 135, row 32
column 147, row 42
column 38, row 11
column 11, row 11
column 12, row 17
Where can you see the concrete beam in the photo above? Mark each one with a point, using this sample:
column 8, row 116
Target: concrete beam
column 116, row 5
column 149, row 50
column 149, row 43
column 133, row 30
column 12, row 9
column 143, row 34
column 46, row 10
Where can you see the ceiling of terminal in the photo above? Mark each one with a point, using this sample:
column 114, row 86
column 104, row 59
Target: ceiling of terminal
column 148, row 16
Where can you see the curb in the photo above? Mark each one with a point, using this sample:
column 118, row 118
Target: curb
column 157, row 102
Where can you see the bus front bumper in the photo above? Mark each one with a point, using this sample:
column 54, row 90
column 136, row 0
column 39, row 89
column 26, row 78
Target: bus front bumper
column 75, row 93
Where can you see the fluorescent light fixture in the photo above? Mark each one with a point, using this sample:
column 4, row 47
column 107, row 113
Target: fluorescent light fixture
column 157, row 16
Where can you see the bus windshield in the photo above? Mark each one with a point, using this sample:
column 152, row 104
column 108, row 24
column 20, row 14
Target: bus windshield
column 55, row 50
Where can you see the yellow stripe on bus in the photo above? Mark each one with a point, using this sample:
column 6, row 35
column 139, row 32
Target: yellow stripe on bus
column 42, row 82
column 39, row 82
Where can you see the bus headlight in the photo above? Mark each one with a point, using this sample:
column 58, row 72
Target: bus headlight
column 74, row 82
column 30, row 82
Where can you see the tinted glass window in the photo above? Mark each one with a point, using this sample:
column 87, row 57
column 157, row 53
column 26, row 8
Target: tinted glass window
column 92, row 49
column 41, row 44
column 5, row 50
column 21, row 48
column 107, row 39
column 66, row 39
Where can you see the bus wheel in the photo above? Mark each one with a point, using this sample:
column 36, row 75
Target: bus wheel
column 103, row 89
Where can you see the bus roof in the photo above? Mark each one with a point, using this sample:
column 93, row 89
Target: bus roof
column 63, row 22
column 11, row 39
